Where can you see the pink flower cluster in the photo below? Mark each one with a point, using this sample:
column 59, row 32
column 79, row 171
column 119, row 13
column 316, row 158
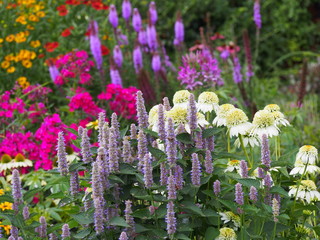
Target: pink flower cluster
column 36, row 111
column 84, row 102
column 74, row 65
column 36, row 92
column 8, row 106
column 121, row 100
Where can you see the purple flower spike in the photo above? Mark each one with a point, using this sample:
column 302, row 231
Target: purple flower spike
column 265, row 152
column 85, row 147
column 163, row 174
column 62, row 155
column 95, row 44
column 42, row 229
column 171, row 219
column 25, row 213
column 178, row 174
column 148, row 178
column 210, row 143
column 208, row 162
column 178, row 31
column 216, row 187
column 237, row 77
column 161, row 123
column 253, row 195
column 126, row 9
column 133, row 131
column 113, row 152
column 123, row 236
column 136, row 20
column 196, row 170
column 256, row 14
column 74, row 183
column 243, row 169
column 171, row 187
column 192, row 113
column 129, row 218
column 152, row 37
column 142, row 150
column 171, row 144
column 16, row 185
column 156, row 62
column 141, row 111
column 113, row 16
column 142, row 37
column 137, row 59
column 275, row 209
column 153, row 13
column 14, row 233
column 117, row 56
column 166, row 104
column 54, row 72
column 65, row 231
column 115, row 76
column 239, row 194
column 126, row 151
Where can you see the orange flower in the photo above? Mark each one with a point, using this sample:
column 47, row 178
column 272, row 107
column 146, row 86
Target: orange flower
column 10, row 38
column 35, row 44
column 41, row 14
column 51, row 46
column 11, row 69
column 27, row 63
column 62, row 10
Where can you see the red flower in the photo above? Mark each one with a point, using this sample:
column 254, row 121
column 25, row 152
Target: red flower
column 51, row 46
column 87, row 33
column 99, row 6
column 41, row 55
column 62, row 10
column 73, row 2
column 67, row 32
column 105, row 51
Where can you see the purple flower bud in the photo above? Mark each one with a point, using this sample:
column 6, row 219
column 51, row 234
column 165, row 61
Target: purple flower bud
column 65, row 231
column 216, row 187
column 196, row 170
column 117, row 56
column 153, row 13
column 237, row 77
column 171, row 219
column 210, row 143
column 171, row 187
column 179, row 31
column 225, row 54
column 115, row 76
column 239, row 194
column 275, row 209
column 192, row 113
column 62, row 155
column 256, row 14
column 253, row 195
column 116, row 125
column 95, row 44
column 136, row 20
column 113, row 16
column 142, row 37
column 208, row 162
column 14, row 232
column 171, row 144
column 126, row 151
column 198, row 139
column 42, row 229
column 166, row 104
column 243, row 169
column 126, row 9
column 152, row 37
column 52, row 236
column 16, row 187
column 161, row 123
column 156, row 62
column 113, row 152
column 137, row 59
column 25, row 212
column 128, row 217
column 178, row 175
column 54, row 72
column 265, row 152
column 105, row 135
column 101, row 121
column 123, row 236
column 148, row 178
column 142, row 150
column 133, row 131
column 163, row 174
column 141, row 111
column 74, row 183
column 85, row 147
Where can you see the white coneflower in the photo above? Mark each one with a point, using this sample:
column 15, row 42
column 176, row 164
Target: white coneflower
column 308, row 154
column 207, row 101
column 251, row 140
column 222, row 111
column 230, row 216
column 300, row 168
column 6, row 162
column 233, row 165
column 153, row 116
column 279, row 119
column 181, row 98
column 237, row 122
column 307, row 191
column 227, row 234
column 263, row 123
column 272, row 108
column 21, row 161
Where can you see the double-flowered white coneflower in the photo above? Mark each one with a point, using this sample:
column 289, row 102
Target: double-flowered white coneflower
column 208, row 101
column 237, row 122
column 222, row 111
column 264, row 123
column 306, row 191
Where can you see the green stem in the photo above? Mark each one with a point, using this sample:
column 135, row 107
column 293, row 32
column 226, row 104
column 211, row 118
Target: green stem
column 155, row 211
column 274, row 230
column 228, row 142
column 251, row 153
column 276, row 149
column 279, row 147
column 245, row 151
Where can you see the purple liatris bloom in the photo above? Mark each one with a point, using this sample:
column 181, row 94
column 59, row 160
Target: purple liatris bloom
column 171, row 144
column 275, row 209
column 243, row 169
column 178, row 31
column 163, row 174
column 152, row 37
column 171, row 187
column 85, row 147
column 216, row 187
column 153, row 13
column 178, row 175
column 65, row 231
column 137, row 59
column 161, row 123
column 208, row 162
column 256, row 14
column 246, row 42
column 148, row 178
column 192, row 113
column 123, row 236
column 113, row 16
column 128, row 217
column 196, row 170
column 54, row 72
column 95, row 44
column 141, row 111
column 142, row 37
column 171, row 219
column 237, row 77
column 136, row 20
column 142, row 150
column 74, row 183
column 115, row 76
column 253, row 195
column 113, row 152
column 62, row 155
column 239, row 194
column 156, row 62
column 126, row 9
column 117, row 56
column 25, row 213
column 265, row 152
column 122, row 38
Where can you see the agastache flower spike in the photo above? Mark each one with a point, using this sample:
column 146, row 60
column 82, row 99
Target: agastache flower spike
column 105, row 136
column 153, row 13
column 16, row 189
column 161, row 123
column 65, row 231
column 129, row 218
column 117, row 56
column 25, row 213
column 52, row 236
column 275, row 209
column 171, row 187
column 148, row 178
column 208, row 162
column 192, row 113
column 142, row 149
column 178, row 175
column 62, row 155
column 103, row 166
column 98, row 200
column 126, row 10
column 239, row 194
column 123, row 236
column 74, row 183
column 171, row 219
column 116, row 125
column 126, row 151
column 141, row 111
column 42, row 229
column 196, row 170
column 113, row 16
column 101, row 121
column 156, row 62
column 85, row 147
column 216, row 187
column 253, row 195
column 163, row 174
column 137, row 59
column 14, row 233
column 136, row 20
column 133, row 131
column 210, row 143
column 243, row 169
column 113, row 152
column 198, row 139
column 267, row 185
column 265, row 152
column 171, row 144
column 166, row 104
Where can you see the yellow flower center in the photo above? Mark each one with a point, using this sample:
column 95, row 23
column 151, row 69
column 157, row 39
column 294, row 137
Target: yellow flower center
column 309, row 185
column 178, row 115
column 208, row 97
column 272, row 107
column 235, row 117
column 6, row 158
column 181, row 96
column 263, row 118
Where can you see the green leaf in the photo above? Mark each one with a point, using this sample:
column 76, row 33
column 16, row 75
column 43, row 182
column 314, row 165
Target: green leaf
column 210, row 213
column 75, row 166
column 284, row 171
column 251, row 209
column 116, row 179
column 184, row 138
column 127, row 169
column 193, row 208
column 157, row 153
column 118, row 221
column 211, row 233
column 82, row 233
column 31, row 193
column 249, row 182
column 82, row 218
column 317, row 230
column 140, row 194
column 72, row 131
column 6, row 198
column 124, row 131
column 139, row 228
column 210, row 132
column 57, row 195
column 151, row 133
column 182, row 236
column 141, row 213
column 229, row 204
column 279, row 190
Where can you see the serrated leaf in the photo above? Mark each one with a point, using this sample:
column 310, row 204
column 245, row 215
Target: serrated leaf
column 151, row 133
column 249, row 182
column 279, row 190
column 184, row 138
column 157, row 153
column 210, row 132
column 192, row 207
column 115, row 179
column 82, row 218
column 82, row 233
column 118, row 221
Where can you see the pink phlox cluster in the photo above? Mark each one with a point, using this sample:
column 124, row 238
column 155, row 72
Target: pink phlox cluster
column 36, row 92
column 74, row 65
column 36, row 111
column 8, row 106
column 84, row 101
column 121, row 100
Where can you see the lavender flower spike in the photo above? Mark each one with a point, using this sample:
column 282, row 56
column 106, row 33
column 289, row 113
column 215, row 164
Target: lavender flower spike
column 43, row 227
column 171, row 144
column 256, row 14
column 148, row 178
column 115, row 76
column 126, row 10
column 153, row 13
column 171, row 219
column 196, row 170
column 239, row 194
column 136, row 20
column 192, row 113
column 171, row 187
column 95, row 44
column 137, row 59
column 243, row 169
column 216, row 187
column 113, row 16
column 85, row 147
column 152, row 37
column 237, row 77
column 123, row 236
column 253, row 195
column 65, row 231
column 74, row 183
column 178, row 31
column 117, row 56
column 62, row 155
column 208, row 162
column 265, row 152
column 141, row 111
column 25, row 213
column 161, row 123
